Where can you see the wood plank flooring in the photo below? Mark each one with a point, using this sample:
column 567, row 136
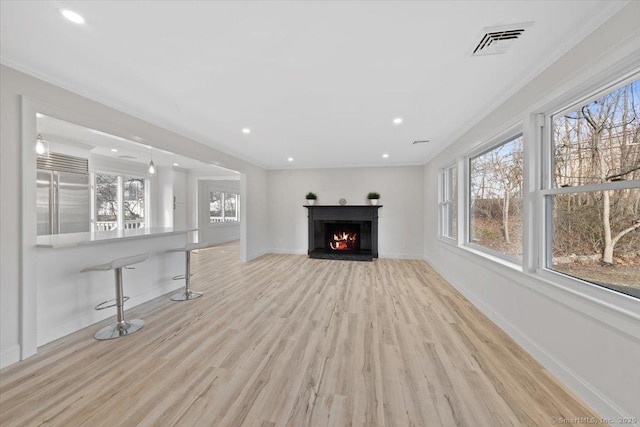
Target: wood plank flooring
column 290, row 341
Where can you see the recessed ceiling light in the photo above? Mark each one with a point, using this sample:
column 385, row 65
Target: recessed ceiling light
column 246, row 130
column 385, row 156
column 289, row 159
column 397, row 120
column 72, row 16
column 115, row 150
column 38, row 115
column 175, row 164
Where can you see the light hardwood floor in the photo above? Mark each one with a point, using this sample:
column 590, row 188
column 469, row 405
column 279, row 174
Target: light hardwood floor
column 290, row 341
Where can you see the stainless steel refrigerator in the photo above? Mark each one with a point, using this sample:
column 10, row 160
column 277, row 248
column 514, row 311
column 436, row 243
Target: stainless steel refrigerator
column 63, row 194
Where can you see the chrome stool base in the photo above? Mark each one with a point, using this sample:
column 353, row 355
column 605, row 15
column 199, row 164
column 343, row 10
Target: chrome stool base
column 122, row 327
column 186, row 295
column 118, row 330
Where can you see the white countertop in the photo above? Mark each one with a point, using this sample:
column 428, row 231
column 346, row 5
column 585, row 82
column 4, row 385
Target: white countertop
column 95, row 237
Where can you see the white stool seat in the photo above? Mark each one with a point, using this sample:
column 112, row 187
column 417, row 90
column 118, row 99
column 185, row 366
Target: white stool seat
column 187, row 293
column 118, row 263
column 122, row 327
column 191, row 247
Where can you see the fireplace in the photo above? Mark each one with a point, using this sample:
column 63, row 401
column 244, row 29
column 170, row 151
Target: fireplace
column 343, row 232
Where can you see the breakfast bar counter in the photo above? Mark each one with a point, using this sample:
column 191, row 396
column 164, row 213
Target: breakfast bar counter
column 96, row 237
column 66, row 296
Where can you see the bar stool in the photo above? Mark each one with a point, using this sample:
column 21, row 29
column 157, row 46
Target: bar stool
column 187, row 293
column 122, row 327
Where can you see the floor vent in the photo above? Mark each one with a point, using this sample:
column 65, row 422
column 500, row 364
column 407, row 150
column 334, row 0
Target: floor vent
column 497, row 40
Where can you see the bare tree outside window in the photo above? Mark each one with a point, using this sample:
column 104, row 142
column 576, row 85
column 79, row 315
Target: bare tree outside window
column 134, row 201
column 596, row 234
column 496, row 179
column 111, row 206
column 223, row 207
column 107, row 206
column 230, row 204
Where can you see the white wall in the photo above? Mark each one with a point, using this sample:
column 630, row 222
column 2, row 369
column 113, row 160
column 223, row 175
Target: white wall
column 587, row 336
column 18, row 329
column 179, row 200
column 9, row 223
column 99, row 163
column 162, row 197
column 400, row 219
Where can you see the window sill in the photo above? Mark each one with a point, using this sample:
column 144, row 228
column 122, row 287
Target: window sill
column 618, row 301
column 478, row 250
column 448, row 241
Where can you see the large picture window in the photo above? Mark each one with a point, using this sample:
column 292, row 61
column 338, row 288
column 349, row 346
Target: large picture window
column 119, row 202
column 449, row 202
column 495, row 199
column 592, row 196
column 223, row 207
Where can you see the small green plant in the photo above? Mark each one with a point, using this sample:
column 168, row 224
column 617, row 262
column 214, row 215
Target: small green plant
column 373, row 195
column 311, row 196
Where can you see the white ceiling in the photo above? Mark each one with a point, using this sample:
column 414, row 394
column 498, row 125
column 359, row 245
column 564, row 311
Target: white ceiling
column 55, row 131
column 318, row 81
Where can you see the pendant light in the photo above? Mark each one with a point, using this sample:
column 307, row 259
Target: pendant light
column 42, row 147
column 152, row 166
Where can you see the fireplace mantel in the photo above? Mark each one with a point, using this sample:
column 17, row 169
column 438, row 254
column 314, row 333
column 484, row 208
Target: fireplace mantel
column 365, row 214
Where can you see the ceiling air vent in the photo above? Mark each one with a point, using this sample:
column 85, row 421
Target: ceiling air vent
column 496, row 40
column 126, row 157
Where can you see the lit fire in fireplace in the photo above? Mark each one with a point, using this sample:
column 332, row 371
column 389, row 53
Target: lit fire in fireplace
column 344, row 241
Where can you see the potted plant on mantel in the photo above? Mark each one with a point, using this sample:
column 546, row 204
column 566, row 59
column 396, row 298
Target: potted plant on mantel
column 311, row 198
column 373, row 198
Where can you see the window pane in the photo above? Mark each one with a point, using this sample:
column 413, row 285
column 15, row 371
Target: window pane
column 230, row 203
column 599, row 142
column 106, row 202
column 592, row 249
column 450, row 203
column 215, row 206
column 134, row 202
column 496, row 198
column 453, row 221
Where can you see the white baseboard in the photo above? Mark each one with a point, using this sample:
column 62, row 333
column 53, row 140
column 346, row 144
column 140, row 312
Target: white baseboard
column 288, row 251
column 9, row 356
column 219, row 241
column 602, row 405
column 381, row 255
column 257, row 255
column 60, row 330
column 400, row 256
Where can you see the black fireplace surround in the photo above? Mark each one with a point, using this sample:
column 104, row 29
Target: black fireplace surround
column 355, row 227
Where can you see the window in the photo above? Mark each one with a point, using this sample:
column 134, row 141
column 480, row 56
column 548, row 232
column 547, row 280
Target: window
column 495, row 187
column 107, row 206
column 223, row 207
column 119, row 202
column 449, row 203
column 133, row 202
column 592, row 195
